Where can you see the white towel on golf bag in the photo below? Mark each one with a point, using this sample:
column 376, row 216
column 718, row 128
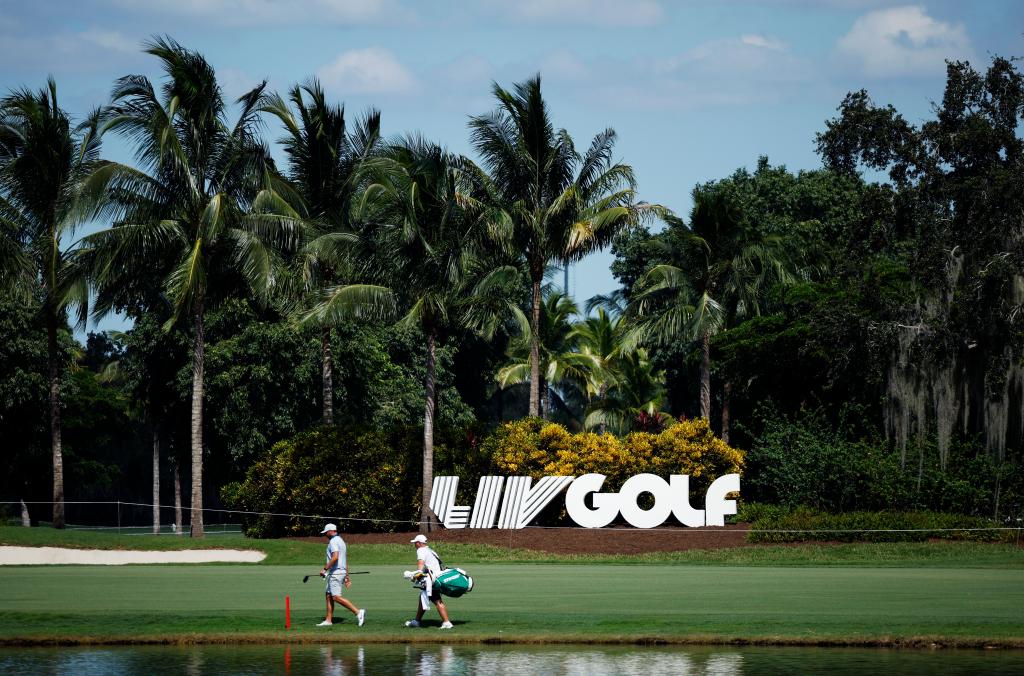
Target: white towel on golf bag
column 425, row 594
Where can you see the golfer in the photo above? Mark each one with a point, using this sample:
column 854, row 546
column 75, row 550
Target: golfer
column 428, row 563
column 336, row 575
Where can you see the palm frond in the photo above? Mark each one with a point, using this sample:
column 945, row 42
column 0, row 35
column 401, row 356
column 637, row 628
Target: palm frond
column 352, row 301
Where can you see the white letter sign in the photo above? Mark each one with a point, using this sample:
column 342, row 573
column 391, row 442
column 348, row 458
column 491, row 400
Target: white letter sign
column 522, row 501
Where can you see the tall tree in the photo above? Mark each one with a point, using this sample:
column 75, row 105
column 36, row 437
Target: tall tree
column 634, row 399
column 600, row 336
column 562, row 204
column 724, row 264
column 199, row 212
column 956, row 192
column 323, row 162
column 43, row 161
column 561, row 362
column 418, row 202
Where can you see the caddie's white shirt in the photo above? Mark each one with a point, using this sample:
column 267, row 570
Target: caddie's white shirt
column 429, row 559
column 336, row 544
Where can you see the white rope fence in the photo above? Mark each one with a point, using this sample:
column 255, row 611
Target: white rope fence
column 416, row 523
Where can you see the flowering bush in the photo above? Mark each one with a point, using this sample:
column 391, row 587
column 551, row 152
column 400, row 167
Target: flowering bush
column 533, row 447
column 355, row 475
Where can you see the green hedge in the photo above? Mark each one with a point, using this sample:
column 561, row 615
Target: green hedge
column 344, row 473
column 805, row 461
column 811, row 525
column 366, row 479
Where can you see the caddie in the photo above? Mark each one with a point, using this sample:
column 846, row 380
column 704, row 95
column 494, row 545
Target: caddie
column 429, row 564
column 335, row 573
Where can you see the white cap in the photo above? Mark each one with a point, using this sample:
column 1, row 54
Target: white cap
column 328, row 527
column 419, row 538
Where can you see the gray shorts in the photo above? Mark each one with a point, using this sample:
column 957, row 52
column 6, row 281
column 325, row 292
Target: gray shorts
column 335, row 582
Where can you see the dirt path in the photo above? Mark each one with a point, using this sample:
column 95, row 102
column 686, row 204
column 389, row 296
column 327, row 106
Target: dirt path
column 577, row 540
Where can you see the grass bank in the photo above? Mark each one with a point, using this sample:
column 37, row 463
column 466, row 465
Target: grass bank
column 542, row 603
column 293, row 552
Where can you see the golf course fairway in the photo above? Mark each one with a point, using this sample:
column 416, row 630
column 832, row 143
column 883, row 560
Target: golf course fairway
column 563, row 602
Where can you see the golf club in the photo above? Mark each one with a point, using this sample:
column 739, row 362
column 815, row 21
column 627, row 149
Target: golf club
column 358, row 572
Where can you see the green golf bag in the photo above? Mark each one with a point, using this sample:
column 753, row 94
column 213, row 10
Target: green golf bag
column 453, row 582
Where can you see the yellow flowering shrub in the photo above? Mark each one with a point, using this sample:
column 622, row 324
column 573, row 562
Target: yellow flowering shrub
column 536, row 448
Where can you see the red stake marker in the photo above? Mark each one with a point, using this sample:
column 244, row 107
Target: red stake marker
column 287, row 612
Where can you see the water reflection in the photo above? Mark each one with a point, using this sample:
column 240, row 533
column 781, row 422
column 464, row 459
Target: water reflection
column 445, row 660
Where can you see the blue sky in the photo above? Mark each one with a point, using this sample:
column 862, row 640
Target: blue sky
column 694, row 88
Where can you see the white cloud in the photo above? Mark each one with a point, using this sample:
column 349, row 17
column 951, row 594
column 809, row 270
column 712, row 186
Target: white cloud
column 367, row 71
column 582, row 12
column 902, row 41
column 275, row 12
column 61, row 52
column 112, row 40
column 466, row 70
column 564, row 65
column 235, row 82
column 764, row 42
column 739, row 61
column 746, row 70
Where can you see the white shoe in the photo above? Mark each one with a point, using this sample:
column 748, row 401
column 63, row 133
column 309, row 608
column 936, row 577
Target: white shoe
column 446, row 625
column 325, row 623
column 412, row 623
column 361, row 616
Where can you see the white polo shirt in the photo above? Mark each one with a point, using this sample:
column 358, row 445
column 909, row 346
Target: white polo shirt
column 428, row 559
column 336, row 544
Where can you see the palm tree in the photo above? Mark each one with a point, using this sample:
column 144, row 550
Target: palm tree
column 725, row 265
column 197, row 215
column 323, row 162
column 601, row 338
column 561, row 363
column 562, row 205
column 417, row 201
column 636, row 394
column 43, row 161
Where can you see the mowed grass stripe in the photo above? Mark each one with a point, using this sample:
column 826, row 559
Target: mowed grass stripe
column 294, row 552
column 516, row 602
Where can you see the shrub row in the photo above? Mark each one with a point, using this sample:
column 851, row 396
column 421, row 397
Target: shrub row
column 806, row 461
column 774, row 523
column 365, row 477
column 370, row 480
column 534, row 447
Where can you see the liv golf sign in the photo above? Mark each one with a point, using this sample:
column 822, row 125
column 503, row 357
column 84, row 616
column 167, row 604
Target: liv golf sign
column 523, row 501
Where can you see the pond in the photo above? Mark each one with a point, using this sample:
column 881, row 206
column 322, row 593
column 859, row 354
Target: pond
column 430, row 660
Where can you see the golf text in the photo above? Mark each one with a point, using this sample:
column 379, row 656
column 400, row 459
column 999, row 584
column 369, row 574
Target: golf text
column 523, row 501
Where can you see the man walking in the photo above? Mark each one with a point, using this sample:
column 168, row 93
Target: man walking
column 428, row 563
column 336, row 575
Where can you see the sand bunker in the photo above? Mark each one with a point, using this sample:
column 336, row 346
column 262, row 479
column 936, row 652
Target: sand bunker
column 34, row 556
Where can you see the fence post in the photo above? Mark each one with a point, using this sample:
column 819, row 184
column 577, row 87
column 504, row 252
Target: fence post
column 118, row 517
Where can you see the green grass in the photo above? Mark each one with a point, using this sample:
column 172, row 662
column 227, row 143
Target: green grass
column 513, row 602
column 292, row 552
column 952, row 593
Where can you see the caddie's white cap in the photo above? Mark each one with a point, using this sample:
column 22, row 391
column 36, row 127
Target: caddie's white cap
column 328, row 527
column 419, row 538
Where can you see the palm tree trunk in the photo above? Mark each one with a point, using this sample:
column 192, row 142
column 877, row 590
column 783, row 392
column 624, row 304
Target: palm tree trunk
column 602, row 393
column 547, row 400
column 156, row 478
column 726, row 396
column 705, row 377
column 177, row 498
column 55, row 441
column 327, row 369
column 427, row 518
column 197, row 425
column 535, row 351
